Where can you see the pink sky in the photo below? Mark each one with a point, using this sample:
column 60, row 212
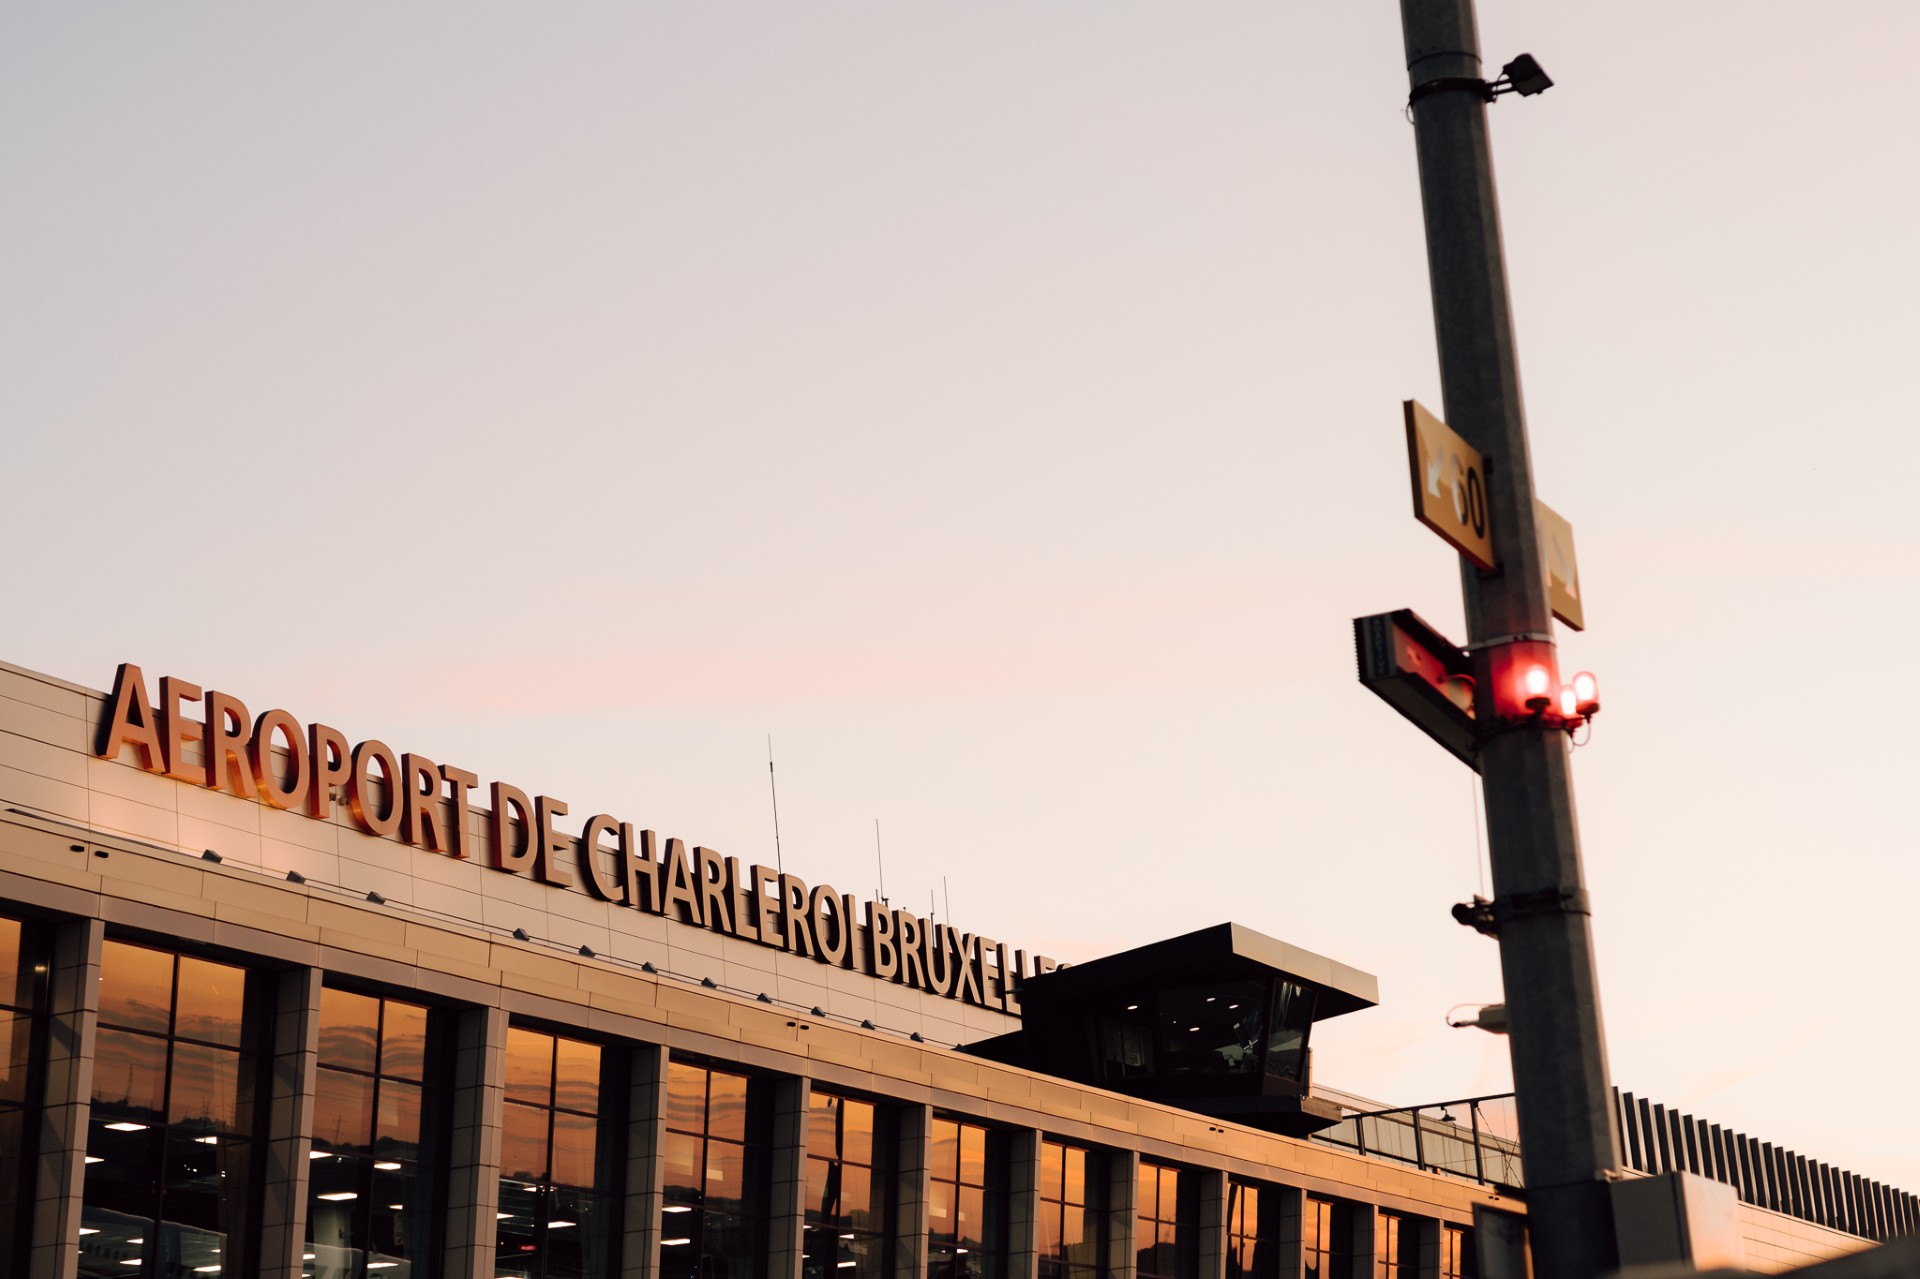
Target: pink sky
column 999, row 406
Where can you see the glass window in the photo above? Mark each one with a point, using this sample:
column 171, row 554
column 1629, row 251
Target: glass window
column 23, row 973
column 719, row 1130
column 1326, row 1238
column 967, row 1201
column 1458, row 1260
column 178, row 1092
column 1070, row 1240
column 560, row 1148
column 1167, row 1214
column 1212, row 1030
column 1287, row 1039
column 848, row 1207
column 373, row 1201
column 1253, row 1230
column 1396, row 1246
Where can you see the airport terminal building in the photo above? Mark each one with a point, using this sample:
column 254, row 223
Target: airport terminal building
column 281, row 1001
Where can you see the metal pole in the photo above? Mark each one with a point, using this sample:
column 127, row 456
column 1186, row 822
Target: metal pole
column 1567, row 1129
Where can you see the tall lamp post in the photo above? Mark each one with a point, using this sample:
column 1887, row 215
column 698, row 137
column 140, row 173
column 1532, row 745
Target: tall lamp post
column 1540, row 911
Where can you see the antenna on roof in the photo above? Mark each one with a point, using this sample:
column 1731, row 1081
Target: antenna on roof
column 881, row 860
column 944, row 892
column 774, row 790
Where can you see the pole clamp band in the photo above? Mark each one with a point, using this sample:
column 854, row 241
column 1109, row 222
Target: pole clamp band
column 1547, row 901
column 1440, row 84
column 1519, row 637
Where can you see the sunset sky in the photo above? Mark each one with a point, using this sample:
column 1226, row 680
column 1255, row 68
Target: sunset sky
column 999, row 406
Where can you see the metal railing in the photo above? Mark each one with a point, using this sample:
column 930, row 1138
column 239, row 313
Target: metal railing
column 1477, row 1138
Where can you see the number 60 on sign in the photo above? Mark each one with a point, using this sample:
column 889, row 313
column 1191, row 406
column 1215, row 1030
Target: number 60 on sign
column 1449, row 485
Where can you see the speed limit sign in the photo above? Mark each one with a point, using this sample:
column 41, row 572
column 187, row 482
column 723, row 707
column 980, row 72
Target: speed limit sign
column 1449, row 485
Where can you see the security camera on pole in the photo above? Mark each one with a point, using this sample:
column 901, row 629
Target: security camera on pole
column 1499, row 703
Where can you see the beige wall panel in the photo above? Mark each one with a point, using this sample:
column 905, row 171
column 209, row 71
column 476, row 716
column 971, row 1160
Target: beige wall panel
column 297, row 828
column 697, row 941
column 354, row 922
column 142, row 821
column 461, row 905
column 44, row 795
column 233, row 844
column 129, row 782
column 36, row 690
column 692, row 964
column 805, row 994
column 851, row 1006
column 279, row 857
column 65, row 731
column 506, row 915
column 30, row 755
column 220, row 808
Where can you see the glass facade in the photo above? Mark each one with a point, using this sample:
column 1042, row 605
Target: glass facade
column 719, row 1130
column 560, row 1159
column 180, row 1121
column 1166, row 1220
column 171, row 1153
column 1070, row 1238
column 23, row 979
column 966, row 1201
column 1253, row 1231
column 377, row 1159
column 849, row 1209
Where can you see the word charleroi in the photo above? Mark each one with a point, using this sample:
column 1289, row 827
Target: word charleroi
column 411, row 798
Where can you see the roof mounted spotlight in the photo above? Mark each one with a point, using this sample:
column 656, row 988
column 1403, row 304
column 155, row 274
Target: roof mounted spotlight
column 761, row 998
column 710, row 983
column 817, row 1012
column 1492, row 1019
column 917, row 1037
column 521, row 934
column 211, row 856
column 1522, row 76
column 376, row 899
column 586, row 951
column 1477, row 915
column 867, row 1024
column 646, row 966
column 295, row 877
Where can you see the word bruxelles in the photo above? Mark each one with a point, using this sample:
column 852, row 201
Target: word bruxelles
column 413, row 799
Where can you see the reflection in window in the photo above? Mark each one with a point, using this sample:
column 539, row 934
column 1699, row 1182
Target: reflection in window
column 1166, row 1212
column 1457, row 1257
column 1326, row 1238
column 1070, row 1239
column 559, row 1153
column 171, row 1156
column 967, row 1202
column 719, row 1126
column 848, row 1207
column 1287, row 1040
column 1212, row 1030
column 23, row 975
column 1253, row 1231
column 375, row 1174
column 1396, row 1246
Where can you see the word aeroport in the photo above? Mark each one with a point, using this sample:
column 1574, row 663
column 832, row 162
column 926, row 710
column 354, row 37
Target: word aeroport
column 410, row 798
